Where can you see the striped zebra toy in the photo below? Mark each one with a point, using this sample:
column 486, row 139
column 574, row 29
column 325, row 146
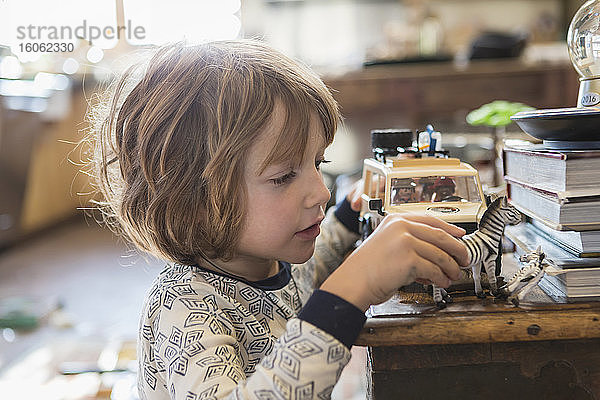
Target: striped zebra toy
column 483, row 245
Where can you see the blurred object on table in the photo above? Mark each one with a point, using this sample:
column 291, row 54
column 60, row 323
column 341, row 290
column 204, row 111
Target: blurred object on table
column 497, row 45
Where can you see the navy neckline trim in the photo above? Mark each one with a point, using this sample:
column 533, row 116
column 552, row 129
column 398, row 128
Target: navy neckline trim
column 275, row 282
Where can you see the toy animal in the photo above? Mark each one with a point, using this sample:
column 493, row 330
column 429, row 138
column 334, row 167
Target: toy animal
column 527, row 277
column 483, row 245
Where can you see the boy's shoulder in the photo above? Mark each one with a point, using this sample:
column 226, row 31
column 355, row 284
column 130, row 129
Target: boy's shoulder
column 173, row 277
column 177, row 281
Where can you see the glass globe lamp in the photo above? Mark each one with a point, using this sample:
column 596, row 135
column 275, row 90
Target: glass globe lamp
column 583, row 40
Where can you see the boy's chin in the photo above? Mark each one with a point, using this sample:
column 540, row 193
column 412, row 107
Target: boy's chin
column 300, row 258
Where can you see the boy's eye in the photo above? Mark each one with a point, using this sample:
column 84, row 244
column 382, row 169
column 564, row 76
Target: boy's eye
column 319, row 162
column 284, row 179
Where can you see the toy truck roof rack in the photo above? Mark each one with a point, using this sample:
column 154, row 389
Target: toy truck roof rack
column 399, row 143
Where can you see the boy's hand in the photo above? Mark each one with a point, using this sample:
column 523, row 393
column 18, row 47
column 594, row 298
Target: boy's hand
column 404, row 248
column 354, row 195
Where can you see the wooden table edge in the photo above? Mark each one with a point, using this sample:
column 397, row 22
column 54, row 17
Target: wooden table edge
column 439, row 329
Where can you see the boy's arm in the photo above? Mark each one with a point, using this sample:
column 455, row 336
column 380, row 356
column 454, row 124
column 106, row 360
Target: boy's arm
column 201, row 354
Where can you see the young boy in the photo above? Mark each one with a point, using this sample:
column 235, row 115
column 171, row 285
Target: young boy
column 211, row 160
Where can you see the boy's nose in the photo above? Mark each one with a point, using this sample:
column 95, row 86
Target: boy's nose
column 319, row 194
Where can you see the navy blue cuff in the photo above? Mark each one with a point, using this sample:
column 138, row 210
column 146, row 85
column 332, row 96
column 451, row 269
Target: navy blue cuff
column 334, row 315
column 347, row 216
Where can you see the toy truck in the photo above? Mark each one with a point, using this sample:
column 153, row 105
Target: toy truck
column 419, row 179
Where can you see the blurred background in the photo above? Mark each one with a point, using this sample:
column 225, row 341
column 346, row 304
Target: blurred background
column 70, row 291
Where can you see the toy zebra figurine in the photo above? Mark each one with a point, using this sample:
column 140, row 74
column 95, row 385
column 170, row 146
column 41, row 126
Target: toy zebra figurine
column 482, row 246
column 532, row 273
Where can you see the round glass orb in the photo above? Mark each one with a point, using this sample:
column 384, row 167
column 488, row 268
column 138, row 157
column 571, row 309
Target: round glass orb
column 583, row 39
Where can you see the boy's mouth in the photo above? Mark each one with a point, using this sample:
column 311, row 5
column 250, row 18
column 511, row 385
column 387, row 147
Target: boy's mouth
column 309, row 233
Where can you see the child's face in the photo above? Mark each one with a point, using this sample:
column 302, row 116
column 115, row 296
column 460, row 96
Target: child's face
column 285, row 203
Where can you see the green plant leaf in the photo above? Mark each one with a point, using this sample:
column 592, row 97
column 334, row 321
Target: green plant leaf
column 497, row 113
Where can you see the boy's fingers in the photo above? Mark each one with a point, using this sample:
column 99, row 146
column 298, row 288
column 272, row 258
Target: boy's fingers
column 449, row 244
column 355, row 202
column 426, row 271
column 436, row 222
column 354, row 195
column 436, row 256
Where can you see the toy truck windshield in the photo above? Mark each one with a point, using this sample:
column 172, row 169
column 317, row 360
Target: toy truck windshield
column 434, row 189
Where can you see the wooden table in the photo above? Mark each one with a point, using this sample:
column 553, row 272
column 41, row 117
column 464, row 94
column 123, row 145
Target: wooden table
column 482, row 349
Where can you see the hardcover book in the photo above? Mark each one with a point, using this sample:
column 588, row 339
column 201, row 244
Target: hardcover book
column 567, row 277
column 556, row 210
column 581, row 244
column 527, row 239
column 568, row 173
column 560, row 293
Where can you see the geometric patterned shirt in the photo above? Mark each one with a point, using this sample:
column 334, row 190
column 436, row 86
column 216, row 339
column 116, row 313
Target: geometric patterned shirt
column 204, row 335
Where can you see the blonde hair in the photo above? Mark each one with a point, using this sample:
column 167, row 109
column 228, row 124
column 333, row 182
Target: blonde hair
column 169, row 147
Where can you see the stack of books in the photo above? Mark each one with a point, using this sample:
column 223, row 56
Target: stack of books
column 559, row 191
